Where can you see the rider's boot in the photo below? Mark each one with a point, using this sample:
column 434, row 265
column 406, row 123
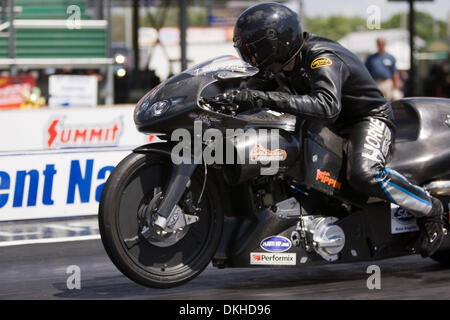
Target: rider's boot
column 432, row 229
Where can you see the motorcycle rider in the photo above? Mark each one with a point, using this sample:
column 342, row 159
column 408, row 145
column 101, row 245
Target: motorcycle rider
column 327, row 83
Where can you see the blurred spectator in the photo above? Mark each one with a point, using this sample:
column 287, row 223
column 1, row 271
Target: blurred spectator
column 381, row 66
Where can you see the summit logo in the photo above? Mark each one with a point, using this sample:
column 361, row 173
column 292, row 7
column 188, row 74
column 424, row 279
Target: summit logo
column 62, row 135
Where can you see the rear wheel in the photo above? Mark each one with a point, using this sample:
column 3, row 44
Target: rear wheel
column 175, row 257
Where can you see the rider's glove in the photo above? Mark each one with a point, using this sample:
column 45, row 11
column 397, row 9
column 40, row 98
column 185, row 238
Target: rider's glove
column 248, row 99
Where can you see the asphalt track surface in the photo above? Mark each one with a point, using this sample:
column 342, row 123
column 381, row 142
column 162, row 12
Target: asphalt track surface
column 38, row 271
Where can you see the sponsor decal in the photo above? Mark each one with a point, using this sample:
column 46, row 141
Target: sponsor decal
column 402, row 221
column 321, row 62
column 281, row 259
column 259, row 153
column 62, row 135
column 324, row 177
column 276, row 244
column 377, row 141
column 214, row 68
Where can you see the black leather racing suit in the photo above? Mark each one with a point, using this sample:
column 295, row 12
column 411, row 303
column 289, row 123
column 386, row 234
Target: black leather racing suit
column 329, row 84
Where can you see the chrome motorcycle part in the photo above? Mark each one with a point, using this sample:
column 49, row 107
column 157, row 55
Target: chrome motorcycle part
column 177, row 220
column 299, row 236
column 327, row 239
column 176, row 229
column 438, row 188
column 288, row 209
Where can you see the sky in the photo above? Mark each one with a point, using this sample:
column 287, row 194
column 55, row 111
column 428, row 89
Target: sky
column 439, row 9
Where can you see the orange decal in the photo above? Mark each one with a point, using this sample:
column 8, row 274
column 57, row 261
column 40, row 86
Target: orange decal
column 259, row 153
column 256, row 257
column 324, row 177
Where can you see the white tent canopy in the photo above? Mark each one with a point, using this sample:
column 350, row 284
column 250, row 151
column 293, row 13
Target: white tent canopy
column 397, row 44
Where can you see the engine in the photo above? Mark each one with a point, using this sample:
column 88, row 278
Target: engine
column 321, row 234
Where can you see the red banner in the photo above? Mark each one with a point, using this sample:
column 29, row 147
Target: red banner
column 13, row 90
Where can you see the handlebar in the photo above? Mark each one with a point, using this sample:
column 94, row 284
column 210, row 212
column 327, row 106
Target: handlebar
column 222, row 103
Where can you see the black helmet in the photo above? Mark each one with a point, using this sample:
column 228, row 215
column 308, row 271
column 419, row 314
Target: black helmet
column 268, row 36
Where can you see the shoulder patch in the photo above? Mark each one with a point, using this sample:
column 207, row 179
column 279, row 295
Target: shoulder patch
column 321, row 62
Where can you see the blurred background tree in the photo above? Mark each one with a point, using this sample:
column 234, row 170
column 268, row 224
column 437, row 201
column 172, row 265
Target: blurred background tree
column 426, row 26
column 335, row 27
column 197, row 16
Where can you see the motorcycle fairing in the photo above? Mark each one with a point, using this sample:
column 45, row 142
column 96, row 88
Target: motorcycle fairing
column 185, row 88
column 323, row 159
column 422, row 150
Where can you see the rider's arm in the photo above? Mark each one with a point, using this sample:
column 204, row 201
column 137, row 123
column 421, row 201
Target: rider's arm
column 259, row 83
column 323, row 103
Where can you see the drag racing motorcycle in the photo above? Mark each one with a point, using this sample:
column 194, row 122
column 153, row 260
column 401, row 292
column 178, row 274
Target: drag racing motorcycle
column 162, row 221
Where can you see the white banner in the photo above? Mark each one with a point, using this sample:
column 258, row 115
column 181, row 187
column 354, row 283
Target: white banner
column 54, row 184
column 53, row 163
column 72, row 90
column 27, row 130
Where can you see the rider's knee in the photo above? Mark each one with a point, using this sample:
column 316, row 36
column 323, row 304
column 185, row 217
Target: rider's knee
column 362, row 180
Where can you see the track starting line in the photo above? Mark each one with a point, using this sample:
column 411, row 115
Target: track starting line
column 48, row 231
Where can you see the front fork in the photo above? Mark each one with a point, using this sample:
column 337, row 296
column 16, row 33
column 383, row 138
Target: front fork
column 161, row 215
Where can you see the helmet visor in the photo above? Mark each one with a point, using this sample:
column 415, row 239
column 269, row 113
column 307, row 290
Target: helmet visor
column 256, row 53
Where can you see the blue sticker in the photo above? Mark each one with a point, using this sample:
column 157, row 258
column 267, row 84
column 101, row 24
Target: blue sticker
column 276, row 244
column 403, row 216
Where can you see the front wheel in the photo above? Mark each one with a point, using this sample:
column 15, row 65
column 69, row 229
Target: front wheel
column 181, row 255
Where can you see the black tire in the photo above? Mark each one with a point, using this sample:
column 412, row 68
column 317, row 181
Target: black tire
column 128, row 186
